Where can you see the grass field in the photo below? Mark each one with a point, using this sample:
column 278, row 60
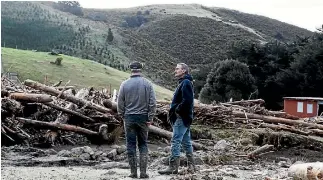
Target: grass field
column 80, row 72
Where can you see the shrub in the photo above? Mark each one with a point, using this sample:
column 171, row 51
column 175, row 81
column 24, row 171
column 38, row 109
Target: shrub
column 59, row 61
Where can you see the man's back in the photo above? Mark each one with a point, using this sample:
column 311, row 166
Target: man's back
column 136, row 96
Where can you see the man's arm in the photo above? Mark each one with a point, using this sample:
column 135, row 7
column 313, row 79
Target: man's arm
column 187, row 97
column 151, row 104
column 121, row 101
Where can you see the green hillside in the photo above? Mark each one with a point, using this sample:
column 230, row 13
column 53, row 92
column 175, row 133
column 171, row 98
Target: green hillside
column 80, row 72
column 157, row 35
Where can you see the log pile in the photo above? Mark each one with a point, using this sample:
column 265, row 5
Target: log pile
column 39, row 114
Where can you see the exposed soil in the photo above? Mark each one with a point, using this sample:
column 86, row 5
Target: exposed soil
column 224, row 161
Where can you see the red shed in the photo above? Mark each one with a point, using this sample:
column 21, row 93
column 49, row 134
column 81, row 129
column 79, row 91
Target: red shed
column 303, row 106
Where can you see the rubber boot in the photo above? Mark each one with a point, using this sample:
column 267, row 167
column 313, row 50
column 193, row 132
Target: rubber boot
column 172, row 168
column 190, row 163
column 143, row 166
column 133, row 166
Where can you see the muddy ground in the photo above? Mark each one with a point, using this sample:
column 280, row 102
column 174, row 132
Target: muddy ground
column 225, row 160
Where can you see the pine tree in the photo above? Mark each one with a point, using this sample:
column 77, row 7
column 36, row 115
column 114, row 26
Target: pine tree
column 110, row 35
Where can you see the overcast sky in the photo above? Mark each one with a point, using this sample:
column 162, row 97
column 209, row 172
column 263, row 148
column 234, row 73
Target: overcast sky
column 304, row 13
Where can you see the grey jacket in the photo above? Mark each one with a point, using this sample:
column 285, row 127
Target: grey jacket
column 137, row 96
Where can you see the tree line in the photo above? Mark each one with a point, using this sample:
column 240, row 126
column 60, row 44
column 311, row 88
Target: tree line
column 269, row 71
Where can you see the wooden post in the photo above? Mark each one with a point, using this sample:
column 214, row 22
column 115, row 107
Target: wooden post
column 45, row 79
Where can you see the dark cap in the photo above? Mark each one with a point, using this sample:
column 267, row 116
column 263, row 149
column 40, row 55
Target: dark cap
column 135, row 65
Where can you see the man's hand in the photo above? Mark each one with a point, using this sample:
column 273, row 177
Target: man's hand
column 149, row 123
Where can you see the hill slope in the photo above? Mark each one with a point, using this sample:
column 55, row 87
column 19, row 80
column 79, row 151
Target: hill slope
column 80, row 72
column 158, row 35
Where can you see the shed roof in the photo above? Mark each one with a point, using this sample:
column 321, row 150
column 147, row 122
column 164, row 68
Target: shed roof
column 305, row 98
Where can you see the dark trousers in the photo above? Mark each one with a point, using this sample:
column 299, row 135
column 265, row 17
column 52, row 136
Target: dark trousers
column 136, row 129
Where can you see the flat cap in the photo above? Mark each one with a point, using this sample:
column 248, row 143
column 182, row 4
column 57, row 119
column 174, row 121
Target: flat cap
column 135, row 65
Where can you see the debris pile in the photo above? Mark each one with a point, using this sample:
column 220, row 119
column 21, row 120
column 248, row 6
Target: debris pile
column 38, row 114
column 238, row 139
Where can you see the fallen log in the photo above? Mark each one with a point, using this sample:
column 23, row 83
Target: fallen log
column 57, row 84
column 283, row 115
column 111, row 105
column 4, row 93
column 285, row 128
column 153, row 129
column 73, row 99
column 262, row 149
column 110, row 137
column 109, row 119
column 41, row 98
column 283, row 139
column 163, row 133
column 66, row 88
column 64, row 117
column 6, row 135
column 247, row 102
column 277, row 120
column 58, row 126
column 69, row 111
column 317, row 132
column 12, row 132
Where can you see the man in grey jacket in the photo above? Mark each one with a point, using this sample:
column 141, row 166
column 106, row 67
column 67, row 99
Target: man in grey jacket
column 137, row 106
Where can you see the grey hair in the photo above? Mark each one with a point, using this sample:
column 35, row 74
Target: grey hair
column 185, row 67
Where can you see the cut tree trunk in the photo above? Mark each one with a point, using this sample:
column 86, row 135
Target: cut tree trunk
column 271, row 119
column 57, row 84
column 283, row 139
column 58, row 126
column 63, row 117
column 247, row 102
column 282, row 115
column 163, row 133
column 111, row 105
column 285, row 128
column 153, row 129
column 4, row 93
column 263, row 149
column 41, row 98
column 73, row 99
column 69, row 111
column 317, row 132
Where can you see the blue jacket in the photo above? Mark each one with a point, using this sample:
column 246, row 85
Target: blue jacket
column 183, row 101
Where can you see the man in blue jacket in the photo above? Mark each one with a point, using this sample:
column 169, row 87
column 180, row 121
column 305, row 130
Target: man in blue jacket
column 137, row 105
column 181, row 116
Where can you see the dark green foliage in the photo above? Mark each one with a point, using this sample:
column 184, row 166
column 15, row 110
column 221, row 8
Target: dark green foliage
column 199, row 74
column 228, row 79
column 59, row 61
column 294, row 69
column 305, row 75
column 70, row 6
column 147, row 12
column 279, row 36
column 134, row 21
column 110, row 35
column 31, row 31
column 264, row 62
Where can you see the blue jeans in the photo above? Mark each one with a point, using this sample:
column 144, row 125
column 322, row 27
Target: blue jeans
column 136, row 128
column 181, row 135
